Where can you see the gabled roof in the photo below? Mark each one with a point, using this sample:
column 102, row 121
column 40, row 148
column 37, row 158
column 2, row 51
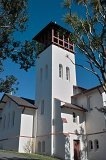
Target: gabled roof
column 28, row 103
column 73, row 106
column 99, row 88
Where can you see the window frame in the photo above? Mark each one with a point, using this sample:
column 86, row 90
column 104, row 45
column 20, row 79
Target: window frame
column 74, row 117
column 90, row 145
column 42, row 107
column 13, row 118
column 96, row 144
column 60, row 70
column 39, row 147
column 46, row 71
column 43, row 146
column 67, row 73
column 41, row 74
column 4, row 121
column 8, row 120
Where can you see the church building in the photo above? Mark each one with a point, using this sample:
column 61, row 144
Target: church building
column 64, row 121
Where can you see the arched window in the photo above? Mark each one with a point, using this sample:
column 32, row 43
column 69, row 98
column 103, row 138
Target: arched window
column 41, row 74
column 67, row 73
column 46, row 71
column 39, row 147
column 96, row 144
column 43, row 146
column 60, row 71
column 42, row 107
column 13, row 118
column 90, row 145
column 74, row 117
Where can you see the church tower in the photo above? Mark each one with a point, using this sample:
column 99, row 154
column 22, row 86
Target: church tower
column 55, row 78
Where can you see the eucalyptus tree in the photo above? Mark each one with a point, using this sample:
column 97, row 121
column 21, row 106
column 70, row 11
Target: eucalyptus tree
column 88, row 33
column 13, row 19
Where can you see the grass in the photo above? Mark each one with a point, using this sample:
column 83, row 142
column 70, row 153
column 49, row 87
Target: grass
column 31, row 156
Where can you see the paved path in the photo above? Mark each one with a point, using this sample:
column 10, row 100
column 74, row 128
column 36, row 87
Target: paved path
column 12, row 156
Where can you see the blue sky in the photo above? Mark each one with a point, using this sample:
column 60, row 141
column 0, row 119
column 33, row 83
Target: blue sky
column 40, row 13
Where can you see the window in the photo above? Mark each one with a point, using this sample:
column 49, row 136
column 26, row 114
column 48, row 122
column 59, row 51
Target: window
column 46, row 71
column 13, row 118
column 67, row 73
column 39, row 147
column 90, row 145
column 96, row 144
column 74, row 117
column 43, row 146
column 42, row 107
column 41, row 74
column 60, row 71
column 4, row 121
column 8, row 120
column 88, row 102
column 9, row 103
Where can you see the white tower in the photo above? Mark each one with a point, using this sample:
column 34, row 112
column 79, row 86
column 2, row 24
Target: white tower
column 55, row 77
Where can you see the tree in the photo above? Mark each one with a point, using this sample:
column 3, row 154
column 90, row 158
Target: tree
column 13, row 18
column 88, row 33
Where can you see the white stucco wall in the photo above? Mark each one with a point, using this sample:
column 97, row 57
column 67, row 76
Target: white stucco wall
column 95, row 123
column 10, row 133
column 61, row 88
column 52, row 87
column 65, row 133
column 44, row 92
column 26, row 131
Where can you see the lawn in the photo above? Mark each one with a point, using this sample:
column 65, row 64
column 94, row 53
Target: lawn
column 29, row 156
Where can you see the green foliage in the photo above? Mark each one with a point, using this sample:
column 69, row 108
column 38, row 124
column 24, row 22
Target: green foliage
column 87, row 33
column 13, row 18
column 6, row 85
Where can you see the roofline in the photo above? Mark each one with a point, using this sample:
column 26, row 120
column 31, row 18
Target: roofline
column 79, row 108
column 88, row 90
column 49, row 24
column 17, row 103
column 79, row 87
column 28, row 107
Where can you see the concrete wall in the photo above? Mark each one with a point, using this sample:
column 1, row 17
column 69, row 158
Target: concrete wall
column 9, row 132
column 50, row 87
column 16, row 128
column 44, row 93
column 95, row 123
column 26, row 129
column 61, row 88
column 66, row 132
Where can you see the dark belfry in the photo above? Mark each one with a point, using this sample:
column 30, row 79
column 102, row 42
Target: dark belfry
column 53, row 34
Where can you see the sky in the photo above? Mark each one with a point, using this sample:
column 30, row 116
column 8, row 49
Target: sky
column 40, row 13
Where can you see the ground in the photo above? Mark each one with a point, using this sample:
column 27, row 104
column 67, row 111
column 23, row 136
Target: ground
column 7, row 155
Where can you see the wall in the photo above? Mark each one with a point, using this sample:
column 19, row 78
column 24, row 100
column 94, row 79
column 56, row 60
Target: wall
column 61, row 88
column 95, row 123
column 26, row 129
column 51, row 87
column 9, row 135
column 65, row 132
column 43, row 92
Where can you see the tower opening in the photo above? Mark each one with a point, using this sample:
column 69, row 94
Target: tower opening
column 53, row 34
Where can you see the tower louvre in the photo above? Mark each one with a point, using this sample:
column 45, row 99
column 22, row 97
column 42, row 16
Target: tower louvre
column 53, row 34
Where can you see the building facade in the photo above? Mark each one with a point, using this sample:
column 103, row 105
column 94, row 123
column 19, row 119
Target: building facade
column 66, row 122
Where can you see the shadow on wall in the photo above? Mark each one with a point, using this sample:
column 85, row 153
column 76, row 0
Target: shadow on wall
column 67, row 148
column 82, row 137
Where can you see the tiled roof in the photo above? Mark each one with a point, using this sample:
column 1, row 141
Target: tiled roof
column 73, row 106
column 21, row 101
